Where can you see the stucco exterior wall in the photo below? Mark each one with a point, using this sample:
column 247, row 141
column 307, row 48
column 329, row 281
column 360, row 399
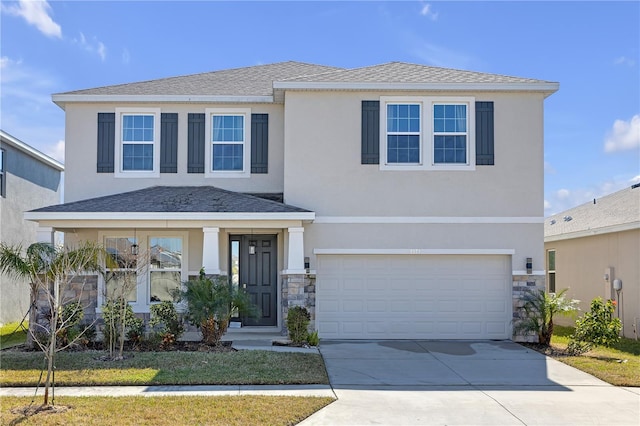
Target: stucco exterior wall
column 30, row 184
column 582, row 262
column 81, row 153
column 323, row 136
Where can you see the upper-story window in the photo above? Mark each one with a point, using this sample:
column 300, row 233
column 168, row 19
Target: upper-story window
column 137, row 147
column 420, row 133
column 3, row 179
column 450, row 133
column 403, row 133
column 228, row 149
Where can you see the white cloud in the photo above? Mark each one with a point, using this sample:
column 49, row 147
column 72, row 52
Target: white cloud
column 624, row 135
column 92, row 46
column 564, row 199
column 36, row 13
column 56, row 150
column 428, row 12
column 440, row 56
column 126, row 56
column 634, row 180
column 623, row 60
column 563, row 194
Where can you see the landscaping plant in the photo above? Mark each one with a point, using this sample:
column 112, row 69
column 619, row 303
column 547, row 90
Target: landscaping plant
column 210, row 304
column 538, row 310
column 120, row 324
column 598, row 327
column 52, row 271
column 165, row 315
column 297, row 324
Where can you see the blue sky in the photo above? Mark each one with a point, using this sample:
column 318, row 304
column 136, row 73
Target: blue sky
column 592, row 124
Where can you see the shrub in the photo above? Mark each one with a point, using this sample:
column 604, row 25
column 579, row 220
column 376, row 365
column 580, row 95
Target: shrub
column 598, row 327
column 313, row 339
column 165, row 315
column 297, row 322
column 538, row 310
column 111, row 313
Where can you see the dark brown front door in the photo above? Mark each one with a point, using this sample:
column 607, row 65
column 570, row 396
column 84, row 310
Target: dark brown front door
column 258, row 275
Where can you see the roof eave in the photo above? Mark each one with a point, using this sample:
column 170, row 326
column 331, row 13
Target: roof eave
column 63, row 98
column 547, row 88
column 591, row 232
column 36, row 216
column 21, row 146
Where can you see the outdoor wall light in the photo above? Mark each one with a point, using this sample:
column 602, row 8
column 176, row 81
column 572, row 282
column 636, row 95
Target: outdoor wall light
column 606, row 277
column 306, row 263
column 252, row 247
column 529, row 265
column 134, row 249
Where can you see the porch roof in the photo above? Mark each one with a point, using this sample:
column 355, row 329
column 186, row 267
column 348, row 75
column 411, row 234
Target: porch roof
column 173, row 202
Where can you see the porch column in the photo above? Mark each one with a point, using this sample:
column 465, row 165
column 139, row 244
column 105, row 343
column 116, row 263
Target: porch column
column 295, row 258
column 210, row 251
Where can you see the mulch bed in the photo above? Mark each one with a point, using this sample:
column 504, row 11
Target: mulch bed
column 547, row 350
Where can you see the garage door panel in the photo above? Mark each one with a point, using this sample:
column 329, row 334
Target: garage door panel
column 431, row 297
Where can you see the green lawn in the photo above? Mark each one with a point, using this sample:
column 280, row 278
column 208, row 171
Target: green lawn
column 12, row 334
column 167, row 368
column 619, row 365
column 191, row 410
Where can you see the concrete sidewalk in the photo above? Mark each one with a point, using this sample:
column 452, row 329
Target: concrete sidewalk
column 202, row 390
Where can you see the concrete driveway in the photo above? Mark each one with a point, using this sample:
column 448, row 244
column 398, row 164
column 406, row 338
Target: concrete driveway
column 464, row 383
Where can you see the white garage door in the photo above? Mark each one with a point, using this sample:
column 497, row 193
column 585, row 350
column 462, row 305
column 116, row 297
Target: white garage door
column 414, row 296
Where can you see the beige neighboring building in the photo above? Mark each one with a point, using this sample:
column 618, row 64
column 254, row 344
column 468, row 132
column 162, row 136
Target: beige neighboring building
column 590, row 247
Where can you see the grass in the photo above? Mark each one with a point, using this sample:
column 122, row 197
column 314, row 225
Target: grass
column 619, row 365
column 12, row 334
column 192, row 410
column 167, row 368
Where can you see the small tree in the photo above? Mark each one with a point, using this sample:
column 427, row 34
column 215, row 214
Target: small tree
column 539, row 308
column 52, row 270
column 121, row 279
column 210, row 304
column 598, row 327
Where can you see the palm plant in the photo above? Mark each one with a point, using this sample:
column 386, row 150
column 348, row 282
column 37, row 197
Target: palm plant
column 51, row 271
column 539, row 308
column 211, row 303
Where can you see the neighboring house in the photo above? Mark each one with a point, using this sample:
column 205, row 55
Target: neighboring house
column 394, row 201
column 28, row 179
column 591, row 246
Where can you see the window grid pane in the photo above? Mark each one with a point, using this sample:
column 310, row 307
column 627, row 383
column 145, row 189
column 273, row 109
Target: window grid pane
column 450, row 134
column 227, row 137
column 403, row 133
column 137, row 128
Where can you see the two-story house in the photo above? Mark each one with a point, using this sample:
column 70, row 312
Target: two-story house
column 394, row 201
column 28, row 179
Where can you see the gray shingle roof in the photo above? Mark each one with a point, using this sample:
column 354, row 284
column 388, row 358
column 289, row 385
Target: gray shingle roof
column 249, row 81
column 258, row 80
column 619, row 208
column 175, row 199
column 401, row 72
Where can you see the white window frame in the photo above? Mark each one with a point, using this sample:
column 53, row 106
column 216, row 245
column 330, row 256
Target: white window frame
column 119, row 171
column 246, row 149
column 427, row 133
column 143, row 303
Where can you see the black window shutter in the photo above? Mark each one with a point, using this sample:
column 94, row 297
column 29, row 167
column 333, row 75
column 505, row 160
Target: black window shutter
column 370, row 132
column 195, row 143
column 259, row 143
column 169, row 143
column 484, row 134
column 106, row 141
